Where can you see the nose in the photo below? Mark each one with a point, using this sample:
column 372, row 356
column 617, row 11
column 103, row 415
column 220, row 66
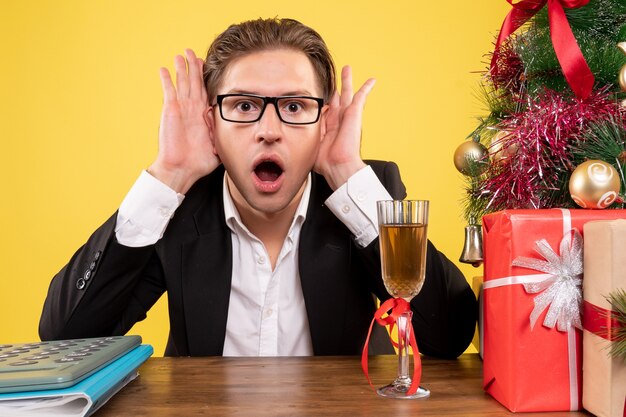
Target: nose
column 269, row 126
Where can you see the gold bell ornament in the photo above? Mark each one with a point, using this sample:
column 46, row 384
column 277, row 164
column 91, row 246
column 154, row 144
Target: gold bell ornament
column 473, row 247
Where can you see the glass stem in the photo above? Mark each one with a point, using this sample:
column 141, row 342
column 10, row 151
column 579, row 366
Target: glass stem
column 404, row 338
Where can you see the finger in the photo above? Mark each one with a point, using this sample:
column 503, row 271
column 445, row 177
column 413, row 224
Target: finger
column 203, row 89
column 355, row 111
column 333, row 113
column 334, row 101
column 361, row 95
column 346, row 86
column 182, row 81
column 195, row 77
column 169, row 92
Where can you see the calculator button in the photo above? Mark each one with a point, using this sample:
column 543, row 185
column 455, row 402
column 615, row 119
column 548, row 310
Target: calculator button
column 65, row 359
column 19, row 351
column 65, row 344
column 22, row 363
column 5, row 346
column 8, row 355
column 37, row 357
column 77, row 354
column 76, row 340
column 49, row 352
column 56, row 348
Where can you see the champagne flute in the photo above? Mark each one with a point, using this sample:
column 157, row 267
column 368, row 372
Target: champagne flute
column 402, row 226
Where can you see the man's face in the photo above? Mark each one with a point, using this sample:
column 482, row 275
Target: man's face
column 267, row 161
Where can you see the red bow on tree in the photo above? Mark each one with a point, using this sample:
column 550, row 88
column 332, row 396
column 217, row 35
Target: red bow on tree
column 575, row 68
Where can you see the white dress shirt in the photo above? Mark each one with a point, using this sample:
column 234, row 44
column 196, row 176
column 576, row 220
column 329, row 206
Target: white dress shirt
column 266, row 311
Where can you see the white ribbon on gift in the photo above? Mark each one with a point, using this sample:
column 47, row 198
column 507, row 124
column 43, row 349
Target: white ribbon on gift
column 546, row 280
column 561, row 293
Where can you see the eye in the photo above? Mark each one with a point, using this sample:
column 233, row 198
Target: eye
column 293, row 107
column 245, row 106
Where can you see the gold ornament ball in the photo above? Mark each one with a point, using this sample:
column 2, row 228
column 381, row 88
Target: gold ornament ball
column 622, row 73
column 500, row 149
column 622, row 78
column 466, row 156
column 594, row 184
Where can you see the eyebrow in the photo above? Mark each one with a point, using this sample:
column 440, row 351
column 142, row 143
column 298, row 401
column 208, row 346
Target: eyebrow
column 287, row 93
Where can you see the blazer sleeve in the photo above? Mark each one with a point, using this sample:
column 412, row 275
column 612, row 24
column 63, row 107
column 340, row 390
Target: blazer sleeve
column 104, row 289
column 445, row 310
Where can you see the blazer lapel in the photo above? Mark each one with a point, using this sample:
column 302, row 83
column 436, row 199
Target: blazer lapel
column 322, row 244
column 206, row 277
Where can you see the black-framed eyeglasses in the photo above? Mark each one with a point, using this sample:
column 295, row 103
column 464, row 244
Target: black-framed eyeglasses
column 249, row 108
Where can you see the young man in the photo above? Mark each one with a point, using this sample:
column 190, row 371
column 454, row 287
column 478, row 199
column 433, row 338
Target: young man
column 257, row 217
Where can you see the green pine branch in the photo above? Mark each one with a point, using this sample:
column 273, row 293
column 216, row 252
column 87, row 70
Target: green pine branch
column 617, row 299
column 605, row 141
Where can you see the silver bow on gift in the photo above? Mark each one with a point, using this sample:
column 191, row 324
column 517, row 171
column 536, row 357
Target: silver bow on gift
column 562, row 291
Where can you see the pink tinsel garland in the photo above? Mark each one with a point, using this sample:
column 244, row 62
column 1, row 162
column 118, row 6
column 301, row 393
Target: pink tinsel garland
column 538, row 147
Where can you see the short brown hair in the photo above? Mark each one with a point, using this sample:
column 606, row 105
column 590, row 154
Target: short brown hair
column 266, row 34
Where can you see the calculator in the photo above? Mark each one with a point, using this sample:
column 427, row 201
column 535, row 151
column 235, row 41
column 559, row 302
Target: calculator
column 58, row 364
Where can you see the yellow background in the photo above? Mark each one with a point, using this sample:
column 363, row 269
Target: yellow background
column 81, row 101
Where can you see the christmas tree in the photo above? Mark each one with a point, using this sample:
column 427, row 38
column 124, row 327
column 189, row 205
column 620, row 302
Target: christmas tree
column 555, row 95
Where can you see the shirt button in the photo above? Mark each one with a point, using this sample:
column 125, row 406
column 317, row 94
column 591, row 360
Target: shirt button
column 261, row 260
column 80, row 283
column 269, row 312
column 361, row 196
column 345, row 209
column 164, row 212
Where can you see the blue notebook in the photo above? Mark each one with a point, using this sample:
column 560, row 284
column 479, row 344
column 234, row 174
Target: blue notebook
column 82, row 399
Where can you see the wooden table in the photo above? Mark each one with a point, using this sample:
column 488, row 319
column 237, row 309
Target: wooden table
column 307, row 386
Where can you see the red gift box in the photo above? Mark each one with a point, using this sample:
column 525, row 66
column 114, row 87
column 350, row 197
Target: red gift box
column 529, row 369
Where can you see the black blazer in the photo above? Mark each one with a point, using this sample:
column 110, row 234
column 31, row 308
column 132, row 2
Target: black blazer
column 107, row 287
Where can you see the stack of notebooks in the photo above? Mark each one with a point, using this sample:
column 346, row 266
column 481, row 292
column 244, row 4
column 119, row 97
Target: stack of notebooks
column 69, row 377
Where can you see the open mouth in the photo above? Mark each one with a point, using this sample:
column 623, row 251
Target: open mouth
column 268, row 171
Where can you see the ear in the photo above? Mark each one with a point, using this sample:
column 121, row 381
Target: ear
column 209, row 119
column 323, row 122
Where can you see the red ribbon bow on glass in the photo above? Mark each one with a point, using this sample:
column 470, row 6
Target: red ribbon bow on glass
column 575, row 68
column 397, row 307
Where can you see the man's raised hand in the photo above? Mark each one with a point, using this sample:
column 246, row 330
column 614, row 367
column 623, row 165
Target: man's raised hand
column 339, row 155
column 185, row 149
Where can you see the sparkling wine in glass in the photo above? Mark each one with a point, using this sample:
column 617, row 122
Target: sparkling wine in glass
column 402, row 234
